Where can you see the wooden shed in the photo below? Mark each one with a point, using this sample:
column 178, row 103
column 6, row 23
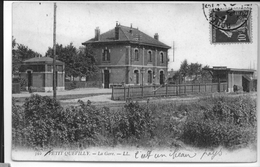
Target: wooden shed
column 237, row 79
column 38, row 72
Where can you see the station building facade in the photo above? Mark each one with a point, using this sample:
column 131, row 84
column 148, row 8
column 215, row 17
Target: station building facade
column 127, row 56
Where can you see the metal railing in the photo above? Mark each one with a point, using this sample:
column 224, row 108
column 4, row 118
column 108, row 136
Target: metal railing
column 122, row 93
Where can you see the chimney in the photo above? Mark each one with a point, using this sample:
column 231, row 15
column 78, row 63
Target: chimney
column 117, row 31
column 156, row 36
column 97, row 34
column 131, row 29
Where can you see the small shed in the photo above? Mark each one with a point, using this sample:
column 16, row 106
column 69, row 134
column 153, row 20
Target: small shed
column 236, row 79
column 38, row 72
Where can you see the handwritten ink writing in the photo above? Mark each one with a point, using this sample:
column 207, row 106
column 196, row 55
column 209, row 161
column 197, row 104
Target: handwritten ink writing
column 146, row 155
column 159, row 155
column 176, row 154
column 212, row 154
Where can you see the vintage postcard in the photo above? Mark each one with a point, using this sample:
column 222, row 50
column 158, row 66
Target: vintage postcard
column 134, row 82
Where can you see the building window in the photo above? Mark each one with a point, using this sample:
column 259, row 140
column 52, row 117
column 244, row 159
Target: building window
column 136, row 55
column 150, row 56
column 49, row 68
column 150, row 77
column 60, row 68
column 106, row 55
column 136, row 76
column 161, row 58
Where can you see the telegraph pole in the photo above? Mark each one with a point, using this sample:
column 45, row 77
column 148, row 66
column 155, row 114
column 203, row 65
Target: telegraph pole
column 54, row 55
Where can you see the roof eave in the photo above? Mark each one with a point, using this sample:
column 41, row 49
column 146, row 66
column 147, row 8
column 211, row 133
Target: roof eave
column 132, row 42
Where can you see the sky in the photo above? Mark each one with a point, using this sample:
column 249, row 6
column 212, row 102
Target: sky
column 182, row 24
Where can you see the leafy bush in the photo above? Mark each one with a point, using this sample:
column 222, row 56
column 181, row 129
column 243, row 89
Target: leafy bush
column 23, row 83
column 209, row 122
column 70, row 85
column 230, row 122
column 133, row 122
column 18, row 124
column 83, row 123
column 41, row 114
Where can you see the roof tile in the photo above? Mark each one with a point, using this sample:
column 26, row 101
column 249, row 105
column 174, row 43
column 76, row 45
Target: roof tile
column 126, row 35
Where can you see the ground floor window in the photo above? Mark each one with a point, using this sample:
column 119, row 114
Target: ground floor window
column 136, row 76
column 150, row 77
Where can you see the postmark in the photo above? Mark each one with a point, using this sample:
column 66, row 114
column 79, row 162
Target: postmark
column 229, row 25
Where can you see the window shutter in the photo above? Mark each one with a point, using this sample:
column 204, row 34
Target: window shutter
column 103, row 55
column 108, row 55
column 132, row 55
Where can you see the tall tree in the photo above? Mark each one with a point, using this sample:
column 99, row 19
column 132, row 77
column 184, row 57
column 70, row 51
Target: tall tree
column 184, row 69
column 78, row 63
column 193, row 70
column 20, row 53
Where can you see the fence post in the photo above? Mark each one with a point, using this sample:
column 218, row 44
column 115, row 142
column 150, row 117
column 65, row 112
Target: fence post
column 154, row 93
column 166, row 89
column 205, row 87
column 199, row 87
column 185, row 89
column 128, row 92
column 112, row 93
column 192, row 88
column 142, row 90
column 124, row 93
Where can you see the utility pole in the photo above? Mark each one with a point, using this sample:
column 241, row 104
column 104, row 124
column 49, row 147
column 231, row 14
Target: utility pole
column 54, row 55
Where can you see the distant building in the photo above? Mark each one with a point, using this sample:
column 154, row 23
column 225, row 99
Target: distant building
column 127, row 56
column 235, row 78
column 38, row 72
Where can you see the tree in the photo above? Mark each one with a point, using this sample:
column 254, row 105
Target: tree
column 85, row 62
column 193, row 70
column 20, row 53
column 184, row 69
column 206, row 76
column 77, row 63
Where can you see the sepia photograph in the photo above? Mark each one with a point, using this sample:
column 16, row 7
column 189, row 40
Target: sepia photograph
column 134, row 81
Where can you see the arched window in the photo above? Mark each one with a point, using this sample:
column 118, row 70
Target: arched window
column 150, row 56
column 161, row 57
column 161, row 77
column 150, row 77
column 136, row 55
column 136, row 77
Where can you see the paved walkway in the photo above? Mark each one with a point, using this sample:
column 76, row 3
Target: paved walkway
column 87, row 91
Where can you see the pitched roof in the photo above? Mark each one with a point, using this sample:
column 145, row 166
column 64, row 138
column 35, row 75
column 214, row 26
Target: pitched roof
column 48, row 60
column 136, row 36
column 221, row 68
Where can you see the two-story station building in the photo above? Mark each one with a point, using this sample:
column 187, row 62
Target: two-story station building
column 127, row 56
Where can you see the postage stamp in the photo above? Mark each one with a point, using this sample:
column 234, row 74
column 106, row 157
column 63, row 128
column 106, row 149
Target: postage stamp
column 230, row 26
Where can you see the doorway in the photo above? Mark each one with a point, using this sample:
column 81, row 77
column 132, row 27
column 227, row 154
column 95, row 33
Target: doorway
column 161, row 78
column 29, row 77
column 245, row 84
column 106, row 78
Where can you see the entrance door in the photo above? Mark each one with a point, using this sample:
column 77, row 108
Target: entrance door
column 245, row 84
column 161, row 78
column 29, row 75
column 106, row 78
